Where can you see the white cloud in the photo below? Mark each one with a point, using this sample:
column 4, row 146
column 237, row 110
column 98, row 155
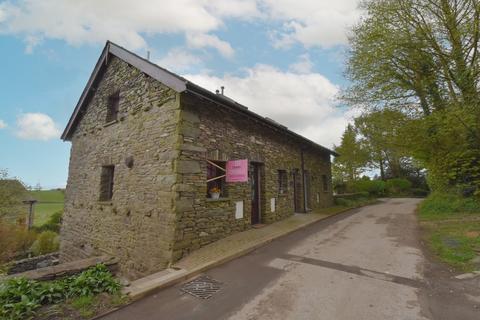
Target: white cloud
column 178, row 60
column 312, row 22
column 303, row 64
column 200, row 40
column 303, row 102
column 123, row 21
column 36, row 126
column 3, row 124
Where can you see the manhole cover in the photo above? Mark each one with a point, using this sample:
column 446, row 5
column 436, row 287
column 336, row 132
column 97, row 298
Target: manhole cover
column 202, row 287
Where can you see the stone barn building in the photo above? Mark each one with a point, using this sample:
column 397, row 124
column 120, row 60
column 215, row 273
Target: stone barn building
column 149, row 148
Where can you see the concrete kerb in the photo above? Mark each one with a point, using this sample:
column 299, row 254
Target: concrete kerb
column 184, row 275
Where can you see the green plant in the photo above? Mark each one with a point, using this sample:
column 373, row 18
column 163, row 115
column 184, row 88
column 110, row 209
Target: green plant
column 417, row 192
column 46, row 242
column 93, row 281
column 398, row 186
column 373, row 187
column 20, row 297
column 14, row 240
column 84, row 305
column 53, row 223
column 439, row 205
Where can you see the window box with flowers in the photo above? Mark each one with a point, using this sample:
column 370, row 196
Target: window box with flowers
column 215, row 193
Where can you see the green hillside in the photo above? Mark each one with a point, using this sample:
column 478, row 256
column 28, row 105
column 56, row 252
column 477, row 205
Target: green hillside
column 49, row 202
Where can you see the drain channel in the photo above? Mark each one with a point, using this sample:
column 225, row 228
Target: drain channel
column 202, row 287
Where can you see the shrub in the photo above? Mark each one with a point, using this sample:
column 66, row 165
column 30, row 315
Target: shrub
column 20, row 297
column 373, row 187
column 46, row 242
column 343, row 202
column 15, row 240
column 398, row 186
column 448, row 203
column 53, row 223
column 417, row 192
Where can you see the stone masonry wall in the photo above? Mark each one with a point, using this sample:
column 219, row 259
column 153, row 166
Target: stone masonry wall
column 208, row 131
column 137, row 225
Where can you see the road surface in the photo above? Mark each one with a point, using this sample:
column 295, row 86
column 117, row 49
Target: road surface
column 363, row 264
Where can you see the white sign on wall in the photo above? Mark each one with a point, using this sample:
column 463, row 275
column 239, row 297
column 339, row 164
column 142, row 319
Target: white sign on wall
column 238, row 209
column 272, row 205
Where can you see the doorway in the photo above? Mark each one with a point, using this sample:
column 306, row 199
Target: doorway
column 256, row 189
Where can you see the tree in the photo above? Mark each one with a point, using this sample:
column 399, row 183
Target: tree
column 420, row 57
column 353, row 158
column 12, row 192
column 381, row 134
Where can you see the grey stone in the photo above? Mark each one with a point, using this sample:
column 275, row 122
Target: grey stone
column 188, row 166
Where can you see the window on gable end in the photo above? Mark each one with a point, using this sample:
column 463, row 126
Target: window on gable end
column 113, row 107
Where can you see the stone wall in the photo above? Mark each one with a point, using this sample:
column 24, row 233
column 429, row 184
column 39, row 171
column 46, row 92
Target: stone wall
column 137, row 225
column 208, row 131
column 27, row 264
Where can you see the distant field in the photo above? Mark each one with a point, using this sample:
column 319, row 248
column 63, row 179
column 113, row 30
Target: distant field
column 49, row 202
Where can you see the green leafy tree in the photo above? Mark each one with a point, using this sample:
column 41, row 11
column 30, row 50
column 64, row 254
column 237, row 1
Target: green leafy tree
column 420, row 57
column 12, row 192
column 381, row 134
column 353, row 158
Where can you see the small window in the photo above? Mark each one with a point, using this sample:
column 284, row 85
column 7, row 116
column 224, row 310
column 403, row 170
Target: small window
column 106, row 183
column 112, row 107
column 325, row 183
column 216, row 183
column 282, row 181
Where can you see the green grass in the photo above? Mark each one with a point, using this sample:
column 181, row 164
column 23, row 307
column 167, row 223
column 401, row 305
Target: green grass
column 84, row 305
column 452, row 228
column 53, row 195
column 49, row 202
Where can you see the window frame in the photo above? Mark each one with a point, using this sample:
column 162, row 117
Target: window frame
column 219, row 178
column 325, row 183
column 113, row 107
column 107, row 178
column 282, row 183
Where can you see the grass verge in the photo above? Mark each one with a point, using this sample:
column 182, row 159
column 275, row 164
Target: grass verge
column 451, row 226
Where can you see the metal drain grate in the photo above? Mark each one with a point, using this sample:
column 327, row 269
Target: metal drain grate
column 202, row 287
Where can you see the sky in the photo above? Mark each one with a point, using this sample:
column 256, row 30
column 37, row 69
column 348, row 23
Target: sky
column 284, row 59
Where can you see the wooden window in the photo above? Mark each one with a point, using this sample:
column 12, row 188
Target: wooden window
column 112, row 107
column 216, row 173
column 282, row 181
column 106, row 183
column 325, row 183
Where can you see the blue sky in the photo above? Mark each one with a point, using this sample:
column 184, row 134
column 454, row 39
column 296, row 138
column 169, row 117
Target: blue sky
column 282, row 58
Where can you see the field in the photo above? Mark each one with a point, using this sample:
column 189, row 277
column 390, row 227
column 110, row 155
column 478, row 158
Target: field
column 49, row 202
column 452, row 226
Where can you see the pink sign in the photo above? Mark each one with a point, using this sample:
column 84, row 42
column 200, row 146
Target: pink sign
column 237, row 171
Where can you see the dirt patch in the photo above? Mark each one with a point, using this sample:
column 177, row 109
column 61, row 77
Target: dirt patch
column 472, row 234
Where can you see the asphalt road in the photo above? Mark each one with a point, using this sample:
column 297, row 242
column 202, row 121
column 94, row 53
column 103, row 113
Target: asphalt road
column 363, row 264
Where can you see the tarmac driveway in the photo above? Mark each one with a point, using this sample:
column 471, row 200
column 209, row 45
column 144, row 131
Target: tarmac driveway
column 362, row 264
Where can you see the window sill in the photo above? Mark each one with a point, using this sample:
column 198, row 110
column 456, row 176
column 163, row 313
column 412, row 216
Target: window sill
column 218, row 200
column 105, row 203
column 110, row 123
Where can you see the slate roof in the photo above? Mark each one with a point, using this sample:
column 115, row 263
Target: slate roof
column 175, row 82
